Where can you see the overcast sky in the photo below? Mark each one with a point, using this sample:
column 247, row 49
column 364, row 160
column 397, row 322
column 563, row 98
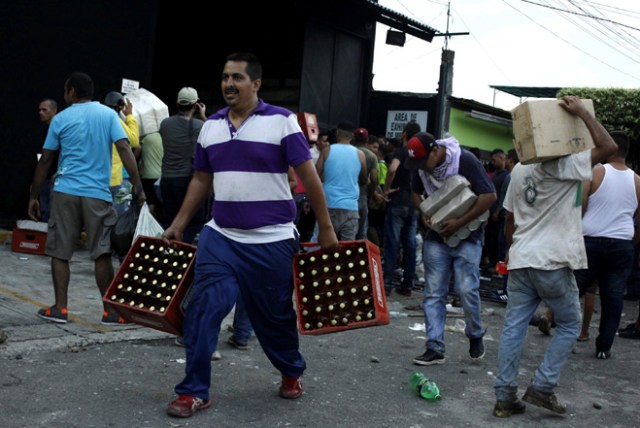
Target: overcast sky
column 514, row 43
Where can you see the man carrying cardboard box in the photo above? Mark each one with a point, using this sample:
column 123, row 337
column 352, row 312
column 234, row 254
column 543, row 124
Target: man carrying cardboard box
column 545, row 245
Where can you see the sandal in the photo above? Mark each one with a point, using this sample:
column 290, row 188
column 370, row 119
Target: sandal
column 583, row 338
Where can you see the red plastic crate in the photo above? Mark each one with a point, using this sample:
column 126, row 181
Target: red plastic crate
column 152, row 282
column 340, row 290
column 28, row 241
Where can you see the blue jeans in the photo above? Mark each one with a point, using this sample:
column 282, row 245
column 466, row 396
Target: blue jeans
column 527, row 288
column 363, row 221
column 610, row 263
column 241, row 324
column 439, row 259
column 400, row 229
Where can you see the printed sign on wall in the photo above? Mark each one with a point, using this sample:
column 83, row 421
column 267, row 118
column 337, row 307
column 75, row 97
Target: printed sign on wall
column 397, row 119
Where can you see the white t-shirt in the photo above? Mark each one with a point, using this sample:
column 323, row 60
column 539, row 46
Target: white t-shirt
column 546, row 201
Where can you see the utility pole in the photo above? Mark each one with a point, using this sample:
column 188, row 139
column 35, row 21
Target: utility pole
column 445, row 83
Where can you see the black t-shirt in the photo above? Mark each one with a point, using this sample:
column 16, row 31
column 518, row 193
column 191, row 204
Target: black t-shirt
column 401, row 181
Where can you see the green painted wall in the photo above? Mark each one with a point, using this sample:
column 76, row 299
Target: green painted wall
column 479, row 133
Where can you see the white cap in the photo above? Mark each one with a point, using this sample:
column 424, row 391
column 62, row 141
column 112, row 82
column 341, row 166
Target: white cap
column 187, row 96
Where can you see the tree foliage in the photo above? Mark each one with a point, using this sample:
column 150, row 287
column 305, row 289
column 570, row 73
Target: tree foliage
column 616, row 109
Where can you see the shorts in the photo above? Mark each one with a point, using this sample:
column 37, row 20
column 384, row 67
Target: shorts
column 70, row 215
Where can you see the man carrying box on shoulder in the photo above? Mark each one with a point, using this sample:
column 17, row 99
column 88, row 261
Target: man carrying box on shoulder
column 543, row 228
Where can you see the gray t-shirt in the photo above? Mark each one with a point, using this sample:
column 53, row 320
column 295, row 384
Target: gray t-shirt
column 179, row 138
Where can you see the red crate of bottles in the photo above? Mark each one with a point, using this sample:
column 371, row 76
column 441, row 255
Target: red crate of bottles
column 339, row 290
column 152, row 282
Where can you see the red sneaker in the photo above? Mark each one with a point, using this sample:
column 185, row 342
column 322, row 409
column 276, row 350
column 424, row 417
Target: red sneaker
column 186, row 405
column 290, row 387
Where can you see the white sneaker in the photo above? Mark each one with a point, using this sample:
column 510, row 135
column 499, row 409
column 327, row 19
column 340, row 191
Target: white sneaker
column 216, row 356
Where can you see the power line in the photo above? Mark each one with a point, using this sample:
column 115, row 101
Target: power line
column 621, row 37
column 607, row 40
column 614, row 9
column 482, row 47
column 580, row 14
column 566, row 41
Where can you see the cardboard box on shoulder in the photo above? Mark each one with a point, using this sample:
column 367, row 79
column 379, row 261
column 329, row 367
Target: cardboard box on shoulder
column 543, row 130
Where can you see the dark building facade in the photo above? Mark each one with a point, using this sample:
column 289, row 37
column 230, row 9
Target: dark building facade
column 317, row 57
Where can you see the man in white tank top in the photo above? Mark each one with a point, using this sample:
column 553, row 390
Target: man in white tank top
column 610, row 205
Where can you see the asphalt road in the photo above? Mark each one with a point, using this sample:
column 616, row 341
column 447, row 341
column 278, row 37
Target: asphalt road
column 85, row 375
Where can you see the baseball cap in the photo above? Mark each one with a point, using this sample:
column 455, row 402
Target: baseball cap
column 114, row 99
column 418, row 147
column 187, row 96
column 361, row 134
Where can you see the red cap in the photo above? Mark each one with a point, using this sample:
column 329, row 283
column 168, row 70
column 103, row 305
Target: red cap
column 418, row 147
column 361, row 134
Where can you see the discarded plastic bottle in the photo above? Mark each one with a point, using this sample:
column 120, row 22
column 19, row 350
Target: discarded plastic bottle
column 425, row 387
column 396, row 314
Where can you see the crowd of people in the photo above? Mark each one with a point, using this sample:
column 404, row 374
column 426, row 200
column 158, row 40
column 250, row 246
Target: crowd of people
column 247, row 187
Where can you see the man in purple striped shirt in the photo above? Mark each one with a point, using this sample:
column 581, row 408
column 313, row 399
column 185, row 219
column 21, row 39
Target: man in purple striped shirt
column 244, row 152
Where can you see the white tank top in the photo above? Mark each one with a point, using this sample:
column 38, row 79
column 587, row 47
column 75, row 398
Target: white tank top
column 611, row 207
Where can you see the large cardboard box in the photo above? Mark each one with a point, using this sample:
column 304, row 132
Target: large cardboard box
column 339, row 290
column 543, row 130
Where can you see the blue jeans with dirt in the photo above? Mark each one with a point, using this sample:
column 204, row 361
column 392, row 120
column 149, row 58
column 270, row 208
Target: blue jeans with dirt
column 527, row 288
column 440, row 262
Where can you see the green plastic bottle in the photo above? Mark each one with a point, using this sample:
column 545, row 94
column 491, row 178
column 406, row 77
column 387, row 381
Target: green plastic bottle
column 425, row 387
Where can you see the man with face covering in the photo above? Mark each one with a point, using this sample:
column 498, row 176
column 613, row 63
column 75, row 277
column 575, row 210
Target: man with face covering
column 433, row 161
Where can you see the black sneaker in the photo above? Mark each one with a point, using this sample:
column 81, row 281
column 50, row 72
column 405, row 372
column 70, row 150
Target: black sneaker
column 54, row 314
column 548, row 401
column 506, row 408
column 632, row 333
column 430, row 357
column 179, row 341
column 113, row 319
column 233, row 342
column 544, row 325
column 403, row 291
column 603, row 355
column 476, row 348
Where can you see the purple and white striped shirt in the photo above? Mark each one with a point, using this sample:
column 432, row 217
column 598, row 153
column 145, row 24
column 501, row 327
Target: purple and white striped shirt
column 252, row 198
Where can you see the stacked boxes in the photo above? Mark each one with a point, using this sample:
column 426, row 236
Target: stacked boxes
column 341, row 289
column 151, row 284
column 452, row 200
column 543, row 130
